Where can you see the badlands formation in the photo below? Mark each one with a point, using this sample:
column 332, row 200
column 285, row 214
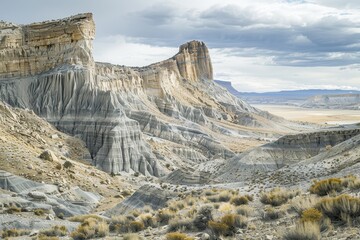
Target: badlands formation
column 79, row 137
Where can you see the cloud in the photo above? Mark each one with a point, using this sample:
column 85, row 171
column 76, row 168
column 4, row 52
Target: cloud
column 260, row 45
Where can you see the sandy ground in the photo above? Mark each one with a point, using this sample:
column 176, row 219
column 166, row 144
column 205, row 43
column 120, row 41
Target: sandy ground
column 320, row 116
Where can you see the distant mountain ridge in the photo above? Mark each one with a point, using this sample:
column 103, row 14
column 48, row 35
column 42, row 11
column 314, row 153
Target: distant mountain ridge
column 289, row 97
column 340, row 101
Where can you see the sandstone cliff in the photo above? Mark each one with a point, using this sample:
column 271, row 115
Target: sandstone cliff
column 131, row 119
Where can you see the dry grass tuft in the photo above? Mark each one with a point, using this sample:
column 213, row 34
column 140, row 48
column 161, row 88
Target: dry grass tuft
column 177, row 236
column 239, row 200
column 245, row 210
column 343, row 208
column 91, row 228
column 131, row 236
column 82, row 218
column 55, row 231
column 178, row 224
column 304, row 231
column 311, row 215
column 278, row 196
column 6, row 233
column 164, row 216
column 324, row 187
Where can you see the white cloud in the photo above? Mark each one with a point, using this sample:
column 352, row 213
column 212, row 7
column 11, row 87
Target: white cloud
column 126, row 51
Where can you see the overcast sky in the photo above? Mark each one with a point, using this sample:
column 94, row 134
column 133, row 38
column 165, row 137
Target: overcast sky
column 258, row 45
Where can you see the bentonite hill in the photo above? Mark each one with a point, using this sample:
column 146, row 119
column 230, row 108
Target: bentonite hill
column 96, row 150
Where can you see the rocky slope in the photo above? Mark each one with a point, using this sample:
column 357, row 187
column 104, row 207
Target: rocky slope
column 131, row 119
column 341, row 101
column 286, row 153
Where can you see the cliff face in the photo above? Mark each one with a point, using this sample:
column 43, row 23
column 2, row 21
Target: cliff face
column 32, row 49
column 131, row 119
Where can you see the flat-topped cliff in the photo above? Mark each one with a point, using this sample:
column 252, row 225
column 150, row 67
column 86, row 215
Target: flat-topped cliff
column 338, row 101
column 132, row 119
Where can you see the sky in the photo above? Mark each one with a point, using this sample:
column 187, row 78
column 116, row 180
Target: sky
column 258, row 45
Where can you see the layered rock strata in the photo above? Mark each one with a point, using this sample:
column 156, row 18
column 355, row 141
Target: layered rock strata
column 48, row 67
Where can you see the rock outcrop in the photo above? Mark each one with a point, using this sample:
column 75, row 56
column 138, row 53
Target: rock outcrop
column 286, row 151
column 121, row 112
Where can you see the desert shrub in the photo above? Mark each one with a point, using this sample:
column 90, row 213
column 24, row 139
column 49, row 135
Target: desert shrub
column 60, row 215
column 82, row 218
column 148, row 220
column 272, row 214
column 239, row 200
column 40, row 212
column 177, row 236
column 218, row 228
column 13, row 209
column 90, row 228
column 43, row 237
column 249, row 197
column 135, row 213
column 226, row 207
column 343, row 208
column 55, row 231
column 278, row 196
column 223, row 196
column 326, row 186
column 203, row 216
column 245, row 210
column 136, row 226
column 6, row 233
column 301, row 204
column 119, row 224
column 234, row 221
column 354, row 185
column 311, row 215
column 180, row 225
column 209, row 193
column 191, row 212
column 147, row 209
column 163, row 216
column 131, row 236
column 304, row 231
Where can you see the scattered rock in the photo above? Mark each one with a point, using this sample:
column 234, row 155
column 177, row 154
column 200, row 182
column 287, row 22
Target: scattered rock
column 48, row 156
column 40, row 196
column 68, row 164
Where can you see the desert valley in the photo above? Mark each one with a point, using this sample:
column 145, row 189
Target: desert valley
column 94, row 150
